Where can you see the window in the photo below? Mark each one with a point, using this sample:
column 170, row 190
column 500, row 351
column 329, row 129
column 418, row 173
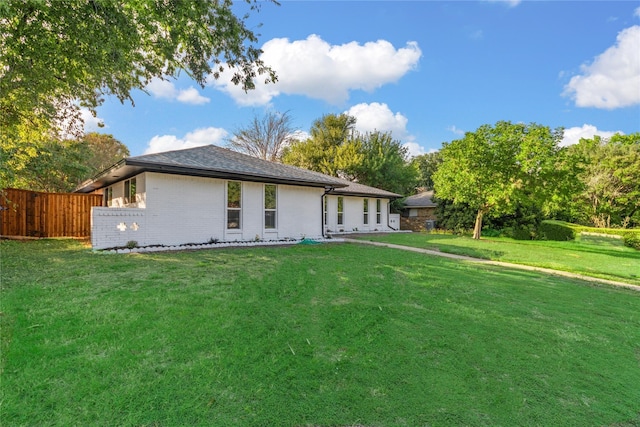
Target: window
column 325, row 210
column 365, row 209
column 234, row 208
column 378, row 211
column 340, row 210
column 270, row 203
column 130, row 191
column 108, row 196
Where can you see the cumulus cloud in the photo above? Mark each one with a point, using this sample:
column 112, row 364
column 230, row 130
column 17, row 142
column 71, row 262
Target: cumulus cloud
column 91, row 123
column 379, row 117
column 612, row 80
column 316, row 69
column 573, row 135
column 196, row 138
column 637, row 12
column 163, row 89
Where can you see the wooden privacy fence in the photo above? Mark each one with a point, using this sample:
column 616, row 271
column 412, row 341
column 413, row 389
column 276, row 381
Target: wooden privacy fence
column 34, row 214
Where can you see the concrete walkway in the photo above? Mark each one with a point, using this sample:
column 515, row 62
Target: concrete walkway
column 498, row 263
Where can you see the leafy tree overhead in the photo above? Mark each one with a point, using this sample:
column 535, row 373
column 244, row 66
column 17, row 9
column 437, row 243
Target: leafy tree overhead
column 265, row 137
column 58, row 55
column 497, row 168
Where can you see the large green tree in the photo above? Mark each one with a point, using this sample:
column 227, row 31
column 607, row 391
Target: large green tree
column 328, row 150
column 426, row 165
column 102, row 151
column 60, row 165
column 57, row 55
column 383, row 163
column 497, row 168
column 336, row 148
column 609, row 171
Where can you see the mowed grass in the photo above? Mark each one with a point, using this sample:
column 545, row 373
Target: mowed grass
column 321, row 335
column 603, row 258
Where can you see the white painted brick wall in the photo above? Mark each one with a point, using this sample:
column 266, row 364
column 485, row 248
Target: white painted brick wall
column 182, row 209
column 113, row 227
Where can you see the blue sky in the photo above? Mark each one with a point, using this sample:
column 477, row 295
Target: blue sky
column 425, row 70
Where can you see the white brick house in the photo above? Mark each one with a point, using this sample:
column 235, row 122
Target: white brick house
column 211, row 193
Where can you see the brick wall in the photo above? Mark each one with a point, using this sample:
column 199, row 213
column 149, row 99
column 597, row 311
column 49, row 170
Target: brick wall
column 417, row 223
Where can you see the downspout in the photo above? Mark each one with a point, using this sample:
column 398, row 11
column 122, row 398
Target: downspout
column 327, row 190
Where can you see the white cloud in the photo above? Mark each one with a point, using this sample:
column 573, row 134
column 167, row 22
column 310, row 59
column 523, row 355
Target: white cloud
column 163, row 89
column 316, row 69
column 612, row 80
column 196, row 138
column 573, row 135
column 91, row 123
column 455, row 130
column 414, row 149
column 637, row 12
column 192, row 96
column 379, row 117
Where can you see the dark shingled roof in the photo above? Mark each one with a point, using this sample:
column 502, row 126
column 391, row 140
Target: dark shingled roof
column 421, row 200
column 355, row 189
column 217, row 162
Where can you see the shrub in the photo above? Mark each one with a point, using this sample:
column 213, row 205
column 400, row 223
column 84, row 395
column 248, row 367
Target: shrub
column 519, row 233
column 556, row 230
column 632, row 239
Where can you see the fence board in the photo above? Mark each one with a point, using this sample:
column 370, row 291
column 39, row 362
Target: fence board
column 35, row 214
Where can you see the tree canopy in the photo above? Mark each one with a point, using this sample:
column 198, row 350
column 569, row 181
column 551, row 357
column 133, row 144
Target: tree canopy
column 58, row 55
column 336, row 148
column 264, row 137
column 497, row 168
column 609, row 173
column 60, row 165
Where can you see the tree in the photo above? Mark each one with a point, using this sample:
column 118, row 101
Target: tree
column 57, row 166
column 336, row 148
column 383, row 163
column 327, row 150
column 60, row 165
column 102, row 151
column 56, row 56
column 265, row 137
column 426, row 164
column 496, row 168
column 609, row 171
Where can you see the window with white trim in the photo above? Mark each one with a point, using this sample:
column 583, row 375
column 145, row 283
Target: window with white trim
column 365, row 210
column 340, row 210
column 378, row 211
column 270, row 205
column 130, row 191
column 326, row 213
column 234, row 205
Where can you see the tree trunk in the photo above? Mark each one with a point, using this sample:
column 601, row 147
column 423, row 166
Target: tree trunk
column 477, row 229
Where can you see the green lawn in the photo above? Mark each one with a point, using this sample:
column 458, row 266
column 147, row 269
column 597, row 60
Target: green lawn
column 318, row 335
column 603, row 258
